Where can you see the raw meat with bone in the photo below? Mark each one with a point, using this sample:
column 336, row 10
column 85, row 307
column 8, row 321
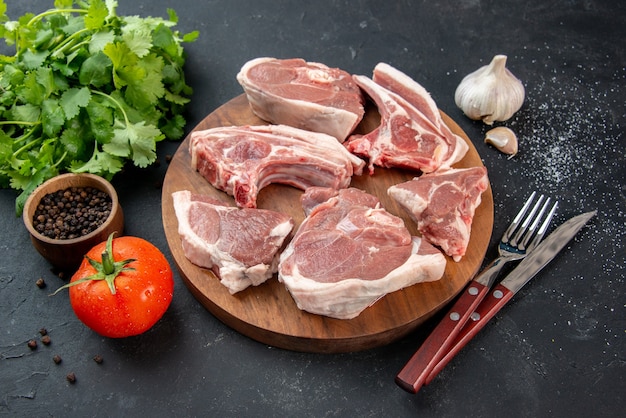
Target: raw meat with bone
column 412, row 134
column 241, row 160
column 414, row 93
column 349, row 252
column 302, row 94
column 240, row 245
column 443, row 205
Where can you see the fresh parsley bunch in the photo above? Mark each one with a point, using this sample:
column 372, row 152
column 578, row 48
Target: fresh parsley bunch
column 86, row 91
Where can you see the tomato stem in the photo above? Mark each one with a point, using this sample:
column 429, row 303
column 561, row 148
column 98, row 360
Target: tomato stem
column 108, row 269
column 108, row 266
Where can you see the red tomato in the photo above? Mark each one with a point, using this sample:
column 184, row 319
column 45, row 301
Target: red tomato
column 125, row 295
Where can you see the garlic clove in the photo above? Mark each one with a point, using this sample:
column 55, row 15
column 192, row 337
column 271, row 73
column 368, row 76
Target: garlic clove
column 504, row 139
column 491, row 93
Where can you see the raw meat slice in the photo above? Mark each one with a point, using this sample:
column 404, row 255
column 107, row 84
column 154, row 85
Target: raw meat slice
column 349, row 252
column 241, row 160
column 302, row 94
column 240, row 246
column 414, row 93
column 411, row 134
column 443, row 205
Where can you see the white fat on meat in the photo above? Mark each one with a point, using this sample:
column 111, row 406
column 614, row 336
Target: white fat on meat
column 305, row 95
column 349, row 252
column 241, row 246
column 241, row 160
column 411, row 135
column 443, row 205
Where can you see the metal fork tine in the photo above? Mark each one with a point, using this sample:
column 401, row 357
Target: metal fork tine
column 527, row 220
column 543, row 228
column 529, row 234
column 518, row 218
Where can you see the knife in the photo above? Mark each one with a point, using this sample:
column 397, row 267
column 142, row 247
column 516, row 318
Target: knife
column 514, row 281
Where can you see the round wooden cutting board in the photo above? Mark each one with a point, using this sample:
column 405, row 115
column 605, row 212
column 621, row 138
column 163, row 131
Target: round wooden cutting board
column 267, row 313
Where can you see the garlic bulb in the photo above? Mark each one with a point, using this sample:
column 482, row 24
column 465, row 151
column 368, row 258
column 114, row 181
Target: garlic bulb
column 504, row 139
column 491, row 93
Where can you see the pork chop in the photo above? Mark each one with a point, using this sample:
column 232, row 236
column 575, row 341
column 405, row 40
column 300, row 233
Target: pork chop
column 241, row 160
column 349, row 252
column 443, row 204
column 302, row 94
column 411, row 134
column 240, row 246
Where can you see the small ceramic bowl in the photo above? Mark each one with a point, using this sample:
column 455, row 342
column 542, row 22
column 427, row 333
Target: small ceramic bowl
column 67, row 254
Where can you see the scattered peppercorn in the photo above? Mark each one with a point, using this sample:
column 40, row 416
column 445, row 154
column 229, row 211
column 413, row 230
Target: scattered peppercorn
column 40, row 283
column 43, row 331
column 98, row 359
column 46, row 340
column 168, row 158
column 57, row 359
column 71, row 377
column 32, row 344
column 61, row 275
column 72, row 212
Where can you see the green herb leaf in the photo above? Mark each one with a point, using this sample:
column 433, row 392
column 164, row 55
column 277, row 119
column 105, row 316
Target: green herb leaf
column 73, row 99
column 96, row 71
column 26, row 113
column 138, row 42
column 97, row 15
column 100, row 120
column 52, row 117
column 87, row 91
column 102, row 163
column 99, row 40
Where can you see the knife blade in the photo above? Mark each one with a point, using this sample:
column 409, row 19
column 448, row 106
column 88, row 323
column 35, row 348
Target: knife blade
column 512, row 283
column 545, row 252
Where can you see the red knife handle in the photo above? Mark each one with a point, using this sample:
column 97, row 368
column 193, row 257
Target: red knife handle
column 492, row 303
column 419, row 366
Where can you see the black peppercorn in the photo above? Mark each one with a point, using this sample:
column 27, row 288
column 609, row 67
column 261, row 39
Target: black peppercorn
column 72, row 212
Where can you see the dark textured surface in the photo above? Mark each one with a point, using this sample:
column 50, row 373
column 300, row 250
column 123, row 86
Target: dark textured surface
column 556, row 350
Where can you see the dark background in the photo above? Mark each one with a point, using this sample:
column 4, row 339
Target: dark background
column 556, row 350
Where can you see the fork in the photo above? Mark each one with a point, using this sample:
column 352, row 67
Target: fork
column 519, row 238
column 523, row 234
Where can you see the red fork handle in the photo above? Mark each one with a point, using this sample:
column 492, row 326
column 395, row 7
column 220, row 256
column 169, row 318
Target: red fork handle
column 414, row 374
column 496, row 299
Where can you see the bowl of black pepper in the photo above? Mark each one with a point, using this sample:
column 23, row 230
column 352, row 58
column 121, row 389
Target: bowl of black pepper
column 69, row 214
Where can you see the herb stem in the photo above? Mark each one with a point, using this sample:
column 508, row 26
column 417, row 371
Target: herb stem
column 54, row 12
column 55, row 165
column 81, row 44
column 18, row 122
column 118, row 104
column 67, row 43
column 26, row 146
